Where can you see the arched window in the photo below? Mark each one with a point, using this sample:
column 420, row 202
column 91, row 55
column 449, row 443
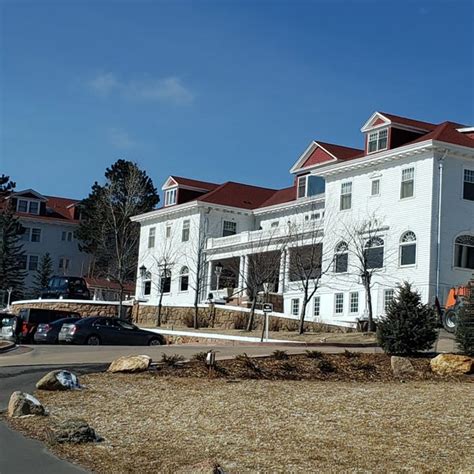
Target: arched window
column 341, row 258
column 464, row 252
column 408, row 248
column 166, row 281
column 184, row 279
column 374, row 252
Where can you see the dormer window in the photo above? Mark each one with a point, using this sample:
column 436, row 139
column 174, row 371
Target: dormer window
column 30, row 207
column 170, row 196
column 377, row 141
column 310, row 185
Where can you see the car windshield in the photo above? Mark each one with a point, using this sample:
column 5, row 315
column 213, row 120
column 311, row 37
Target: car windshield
column 125, row 325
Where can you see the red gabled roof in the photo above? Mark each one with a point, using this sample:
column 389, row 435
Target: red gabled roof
column 103, row 283
column 447, row 132
column 341, row 152
column 239, row 195
column 60, row 207
column 195, row 183
column 409, row 122
column 280, row 197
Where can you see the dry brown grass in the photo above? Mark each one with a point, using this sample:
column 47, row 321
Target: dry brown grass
column 164, row 424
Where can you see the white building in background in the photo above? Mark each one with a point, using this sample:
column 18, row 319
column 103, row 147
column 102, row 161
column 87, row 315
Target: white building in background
column 415, row 178
column 49, row 227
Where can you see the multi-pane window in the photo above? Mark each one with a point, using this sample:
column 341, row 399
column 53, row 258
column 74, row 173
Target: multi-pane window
column 185, row 232
column 33, row 262
column 147, row 288
column 184, row 279
column 22, row 206
column 354, row 302
column 408, row 183
column 33, row 207
column 25, row 234
column 378, row 140
column 22, row 262
column 36, row 235
column 301, row 187
column 339, row 303
column 317, row 306
column 66, row 236
column 168, row 231
column 295, row 306
column 341, row 258
column 166, row 281
column 468, row 189
column 375, row 191
column 464, row 252
column 151, row 237
column 373, row 253
column 408, row 248
column 346, row 196
column 170, row 196
column 63, row 263
column 229, row 228
column 388, row 296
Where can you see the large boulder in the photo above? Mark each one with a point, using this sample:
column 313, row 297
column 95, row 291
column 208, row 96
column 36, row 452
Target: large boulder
column 401, row 366
column 137, row 363
column 24, row 404
column 452, row 364
column 75, row 431
column 58, row 380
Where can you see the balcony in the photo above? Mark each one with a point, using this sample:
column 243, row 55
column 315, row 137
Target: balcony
column 264, row 237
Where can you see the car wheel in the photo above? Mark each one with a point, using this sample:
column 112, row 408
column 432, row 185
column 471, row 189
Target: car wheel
column 93, row 341
column 449, row 320
column 154, row 341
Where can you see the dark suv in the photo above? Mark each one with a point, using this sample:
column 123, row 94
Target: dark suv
column 64, row 287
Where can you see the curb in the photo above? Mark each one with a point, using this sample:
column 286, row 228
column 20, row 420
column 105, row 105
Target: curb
column 7, row 347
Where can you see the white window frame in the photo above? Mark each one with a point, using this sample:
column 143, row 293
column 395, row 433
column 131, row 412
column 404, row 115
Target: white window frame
column 467, row 177
column 171, row 196
column 184, row 272
column 151, row 237
column 300, row 180
column 317, row 306
column 375, row 137
column 30, row 257
column 342, row 248
column 407, row 243
column 66, row 236
column 26, row 235
column 407, row 176
column 168, row 231
column 339, row 305
column 388, row 296
column 145, row 282
column 67, row 262
column 18, row 205
column 186, row 231
column 455, row 251
column 354, row 302
column 295, row 306
column 28, row 206
column 346, row 191
column 232, row 224
column 32, row 231
column 375, row 182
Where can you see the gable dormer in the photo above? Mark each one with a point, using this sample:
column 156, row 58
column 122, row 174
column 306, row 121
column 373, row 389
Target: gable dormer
column 386, row 131
column 180, row 190
column 29, row 202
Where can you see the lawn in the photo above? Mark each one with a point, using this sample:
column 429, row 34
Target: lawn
column 162, row 423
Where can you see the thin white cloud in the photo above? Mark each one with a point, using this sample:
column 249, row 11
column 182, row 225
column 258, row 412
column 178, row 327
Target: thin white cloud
column 169, row 89
column 120, row 139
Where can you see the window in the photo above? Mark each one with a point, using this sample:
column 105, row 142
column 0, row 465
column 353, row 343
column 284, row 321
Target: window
column 185, row 233
column 66, row 236
column 63, row 263
column 388, row 296
column 170, row 196
column 378, row 140
column 33, row 262
column 25, row 234
column 22, row 206
column 408, row 249
column 375, row 187
column 468, row 190
column 33, row 207
column 275, row 224
column 22, row 262
column 147, row 288
column 346, row 196
column 166, row 281
column 408, row 182
column 464, row 252
column 354, row 302
column 151, row 237
column 339, row 303
column 229, row 228
column 168, row 231
column 295, row 306
column 315, row 185
column 301, row 187
column 341, row 259
column 374, row 253
column 317, row 306
column 184, row 279
column 36, row 235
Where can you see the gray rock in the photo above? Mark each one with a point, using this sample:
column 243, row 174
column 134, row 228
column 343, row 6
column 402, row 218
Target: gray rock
column 24, row 404
column 58, row 380
column 75, row 431
column 136, row 363
column 401, row 366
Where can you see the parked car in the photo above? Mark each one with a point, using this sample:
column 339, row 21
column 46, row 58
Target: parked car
column 65, row 287
column 97, row 330
column 47, row 333
column 24, row 326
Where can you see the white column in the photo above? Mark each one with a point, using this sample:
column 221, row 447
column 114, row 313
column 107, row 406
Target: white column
column 281, row 273
column 243, row 272
column 286, row 278
column 209, row 277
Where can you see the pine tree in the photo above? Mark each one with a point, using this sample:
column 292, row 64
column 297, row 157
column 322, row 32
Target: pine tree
column 465, row 324
column 409, row 326
column 11, row 250
column 43, row 274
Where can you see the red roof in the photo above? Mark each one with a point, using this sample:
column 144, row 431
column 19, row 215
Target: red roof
column 341, row 152
column 281, row 196
column 409, row 122
column 194, row 183
column 239, row 195
column 60, row 207
column 447, row 132
column 108, row 285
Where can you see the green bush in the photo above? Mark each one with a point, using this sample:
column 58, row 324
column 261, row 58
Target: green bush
column 280, row 355
column 409, row 326
column 465, row 325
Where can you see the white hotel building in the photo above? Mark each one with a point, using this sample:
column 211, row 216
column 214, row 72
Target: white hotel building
column 416, row 178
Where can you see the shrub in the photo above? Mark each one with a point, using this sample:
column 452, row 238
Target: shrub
column 287, row 366
column 326, row 366
column 349, row 354
column 314, row 354
column 171, row 360
column 280, row 355
column 200, row 356
column 248, row 362
column 465, row 325
column 409, row 326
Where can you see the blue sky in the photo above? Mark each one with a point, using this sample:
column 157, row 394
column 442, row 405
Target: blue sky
column 216, row 90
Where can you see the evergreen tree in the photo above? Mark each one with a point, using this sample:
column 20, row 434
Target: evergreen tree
column 465, row 324
column 43, row 274
column 409, row 326
column 11, row 250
